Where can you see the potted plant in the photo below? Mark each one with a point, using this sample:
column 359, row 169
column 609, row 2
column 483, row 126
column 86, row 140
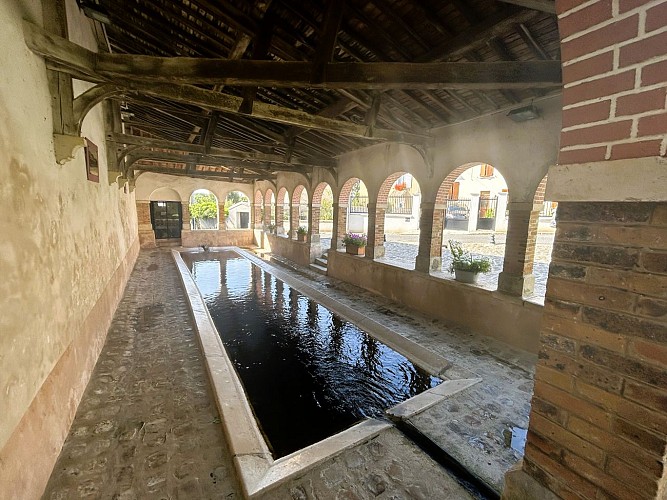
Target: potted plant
column 301, row 233
column 271, row 228
column 355, row 244
column 465, row 267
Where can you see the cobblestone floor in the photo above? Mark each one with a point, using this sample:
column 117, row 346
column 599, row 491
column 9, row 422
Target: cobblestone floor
column 147, row 426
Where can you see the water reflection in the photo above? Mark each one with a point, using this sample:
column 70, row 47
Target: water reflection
column 308, row 373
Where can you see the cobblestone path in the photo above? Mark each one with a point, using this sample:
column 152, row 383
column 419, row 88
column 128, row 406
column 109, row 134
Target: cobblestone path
column 147, row 426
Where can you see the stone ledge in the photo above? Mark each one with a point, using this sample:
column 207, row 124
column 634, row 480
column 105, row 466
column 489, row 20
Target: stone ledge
column 614, row 180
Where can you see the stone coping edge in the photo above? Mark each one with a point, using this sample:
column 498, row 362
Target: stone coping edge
column 257, row 470
column 426, row 359
column 426, row 399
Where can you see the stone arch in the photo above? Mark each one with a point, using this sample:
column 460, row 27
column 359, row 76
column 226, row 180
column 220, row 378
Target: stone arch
column 164, row 194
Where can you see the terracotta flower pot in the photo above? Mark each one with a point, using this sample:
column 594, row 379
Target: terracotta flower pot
column 355, row 250
column 301, row 237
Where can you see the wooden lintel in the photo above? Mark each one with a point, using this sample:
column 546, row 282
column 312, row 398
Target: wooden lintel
column 222, row 153
column 213, row 176
column 379, row 76
column 211, row 161
column 290, row 74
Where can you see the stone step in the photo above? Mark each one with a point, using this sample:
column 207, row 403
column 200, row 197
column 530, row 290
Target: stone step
column 325, row 256
column 319, row 269
column 321, row 262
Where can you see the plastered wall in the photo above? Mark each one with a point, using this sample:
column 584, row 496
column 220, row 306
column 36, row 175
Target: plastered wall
column 67, row 246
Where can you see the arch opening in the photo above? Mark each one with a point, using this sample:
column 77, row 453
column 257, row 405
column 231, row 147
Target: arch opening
column 237, row 210
column 204, row 210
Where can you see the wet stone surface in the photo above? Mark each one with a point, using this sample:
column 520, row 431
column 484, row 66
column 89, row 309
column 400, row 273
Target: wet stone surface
column 147, row 426
column 387, row 467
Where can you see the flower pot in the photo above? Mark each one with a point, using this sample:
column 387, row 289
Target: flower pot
column 465, row 276
column 355, row 250
column 301, row 237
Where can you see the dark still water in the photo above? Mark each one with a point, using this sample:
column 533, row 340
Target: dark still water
column 308, row 373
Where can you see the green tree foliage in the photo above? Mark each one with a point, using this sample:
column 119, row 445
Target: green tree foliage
column 326, row 206
column 232, row 199
column 203, row 206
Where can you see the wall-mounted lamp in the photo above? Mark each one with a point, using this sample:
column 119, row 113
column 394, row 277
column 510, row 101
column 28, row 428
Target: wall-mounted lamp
column 93, row 10
column 524, row 114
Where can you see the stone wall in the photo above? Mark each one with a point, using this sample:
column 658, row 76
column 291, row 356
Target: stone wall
column 217, row 238
column 505, row 318
column 67, row 248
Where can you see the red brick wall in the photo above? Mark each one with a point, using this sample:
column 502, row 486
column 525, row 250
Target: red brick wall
column 614, row 75
column 598, row 426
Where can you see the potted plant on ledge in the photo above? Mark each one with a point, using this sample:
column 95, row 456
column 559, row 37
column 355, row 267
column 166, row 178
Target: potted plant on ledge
column 355, row 244
column 301, row 233
column 465, row 267
column 271, row 228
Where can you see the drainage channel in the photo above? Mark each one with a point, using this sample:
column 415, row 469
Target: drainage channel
column 476, row 487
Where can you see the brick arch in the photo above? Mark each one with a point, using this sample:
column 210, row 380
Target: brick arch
column 443, row 191
column 386, row 186
column 319, row 190
column 538, row 199
column 344, row 195
column 296, row 194
column 267, row 197
column 280, row 198
column 258, row 197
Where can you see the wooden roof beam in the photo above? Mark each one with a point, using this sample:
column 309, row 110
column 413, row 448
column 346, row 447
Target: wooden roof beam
column 215, row 152
column 548, row 6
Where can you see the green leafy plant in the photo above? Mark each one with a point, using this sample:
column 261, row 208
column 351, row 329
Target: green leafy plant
column 464, row 261
column 271, row 227
column 203, row 207
column 302, row 230
column 358, row 240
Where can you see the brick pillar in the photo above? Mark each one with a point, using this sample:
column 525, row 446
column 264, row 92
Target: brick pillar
column 185, row 211
column 257, row 217
column 517, row 276
column 429, row 256
column 267, row 214
column 145, row 228
column 375, row 246
column 314, row 221
column 222, row 220
column 279, row 218
column 339, row 225
column 598, row 424
column 293, row 221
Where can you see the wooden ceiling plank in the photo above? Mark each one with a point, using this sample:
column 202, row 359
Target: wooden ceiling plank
column 212, row 100
column 475, row 37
